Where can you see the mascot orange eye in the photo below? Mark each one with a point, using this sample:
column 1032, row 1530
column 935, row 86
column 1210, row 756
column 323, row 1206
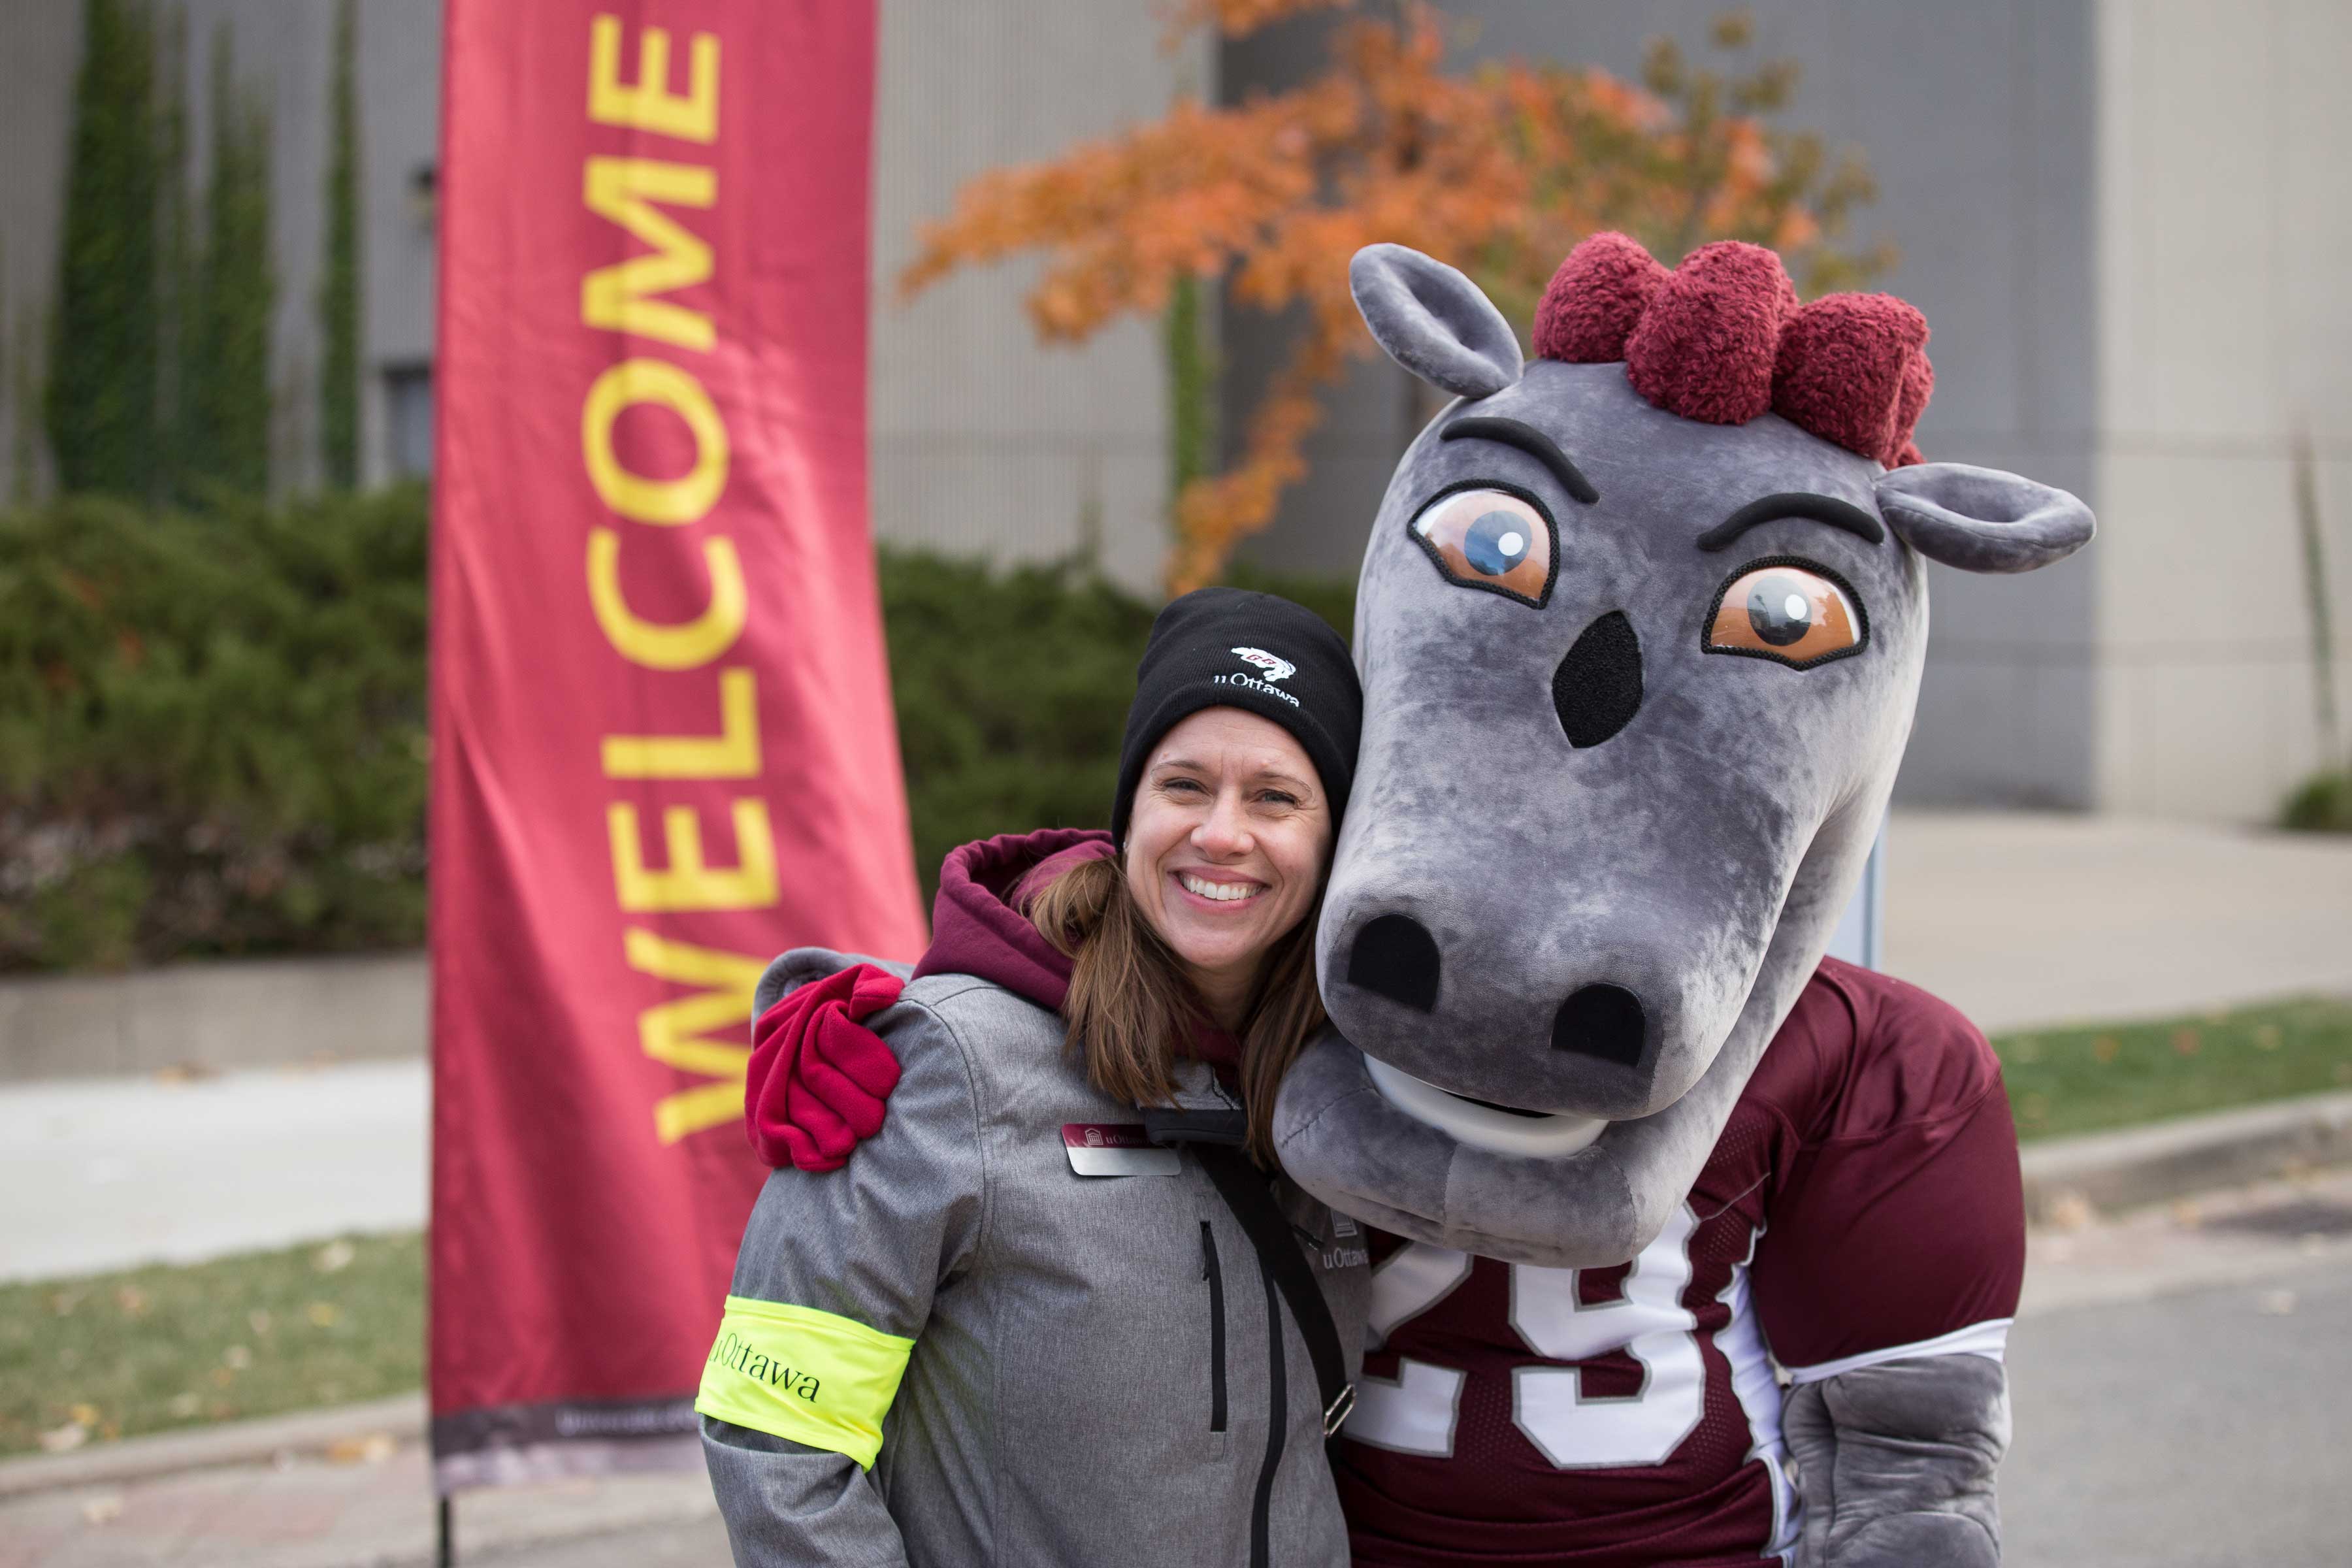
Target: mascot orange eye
column 1490, row 539
column 1792, row 612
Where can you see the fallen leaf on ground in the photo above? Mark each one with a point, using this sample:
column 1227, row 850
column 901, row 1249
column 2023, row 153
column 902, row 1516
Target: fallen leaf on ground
column 236, row 1358
column 130, row 1299
column 2277, row 1303
column 259, row 1321
column 186, row 1405
column 323, row 1313
column 2106, row 1047
column 372, row 1449
column 64, row 1439
column 85, row 1414
column 334, row 1256
column 2071, row 1211
column 102, row 1508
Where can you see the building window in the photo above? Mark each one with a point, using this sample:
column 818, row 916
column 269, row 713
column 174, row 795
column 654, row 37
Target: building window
column 409, row 420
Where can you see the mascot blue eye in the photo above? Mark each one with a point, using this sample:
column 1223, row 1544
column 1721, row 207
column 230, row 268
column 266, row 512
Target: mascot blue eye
column 1787, row 613
column 1780, row 610
column 1496, row 542
column 1490, row 539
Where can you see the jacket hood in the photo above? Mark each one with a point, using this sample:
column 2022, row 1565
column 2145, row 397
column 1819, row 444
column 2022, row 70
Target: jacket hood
column 977, row 926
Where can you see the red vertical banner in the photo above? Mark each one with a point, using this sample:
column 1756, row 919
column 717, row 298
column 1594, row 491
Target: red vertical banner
column 663, row 746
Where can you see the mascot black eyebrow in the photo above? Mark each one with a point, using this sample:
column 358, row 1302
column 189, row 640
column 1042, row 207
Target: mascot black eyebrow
column 1640, row 626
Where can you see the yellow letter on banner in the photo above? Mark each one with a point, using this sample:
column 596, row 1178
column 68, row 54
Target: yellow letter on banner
column 732, row 753
column 679, row 500
column 689, row 884
column 650, row 105
column 669, row 1032
column 615, row 298
column 667, row 644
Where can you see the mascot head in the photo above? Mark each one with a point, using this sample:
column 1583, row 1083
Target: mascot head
column 1640, row 626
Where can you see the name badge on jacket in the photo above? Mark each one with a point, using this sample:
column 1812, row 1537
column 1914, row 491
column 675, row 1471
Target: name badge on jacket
column 1115, row 1149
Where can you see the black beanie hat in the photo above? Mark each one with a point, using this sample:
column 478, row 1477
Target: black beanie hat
column 1229, row 647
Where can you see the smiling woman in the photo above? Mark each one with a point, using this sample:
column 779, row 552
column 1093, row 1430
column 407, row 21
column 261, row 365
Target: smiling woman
column 1060, row 1212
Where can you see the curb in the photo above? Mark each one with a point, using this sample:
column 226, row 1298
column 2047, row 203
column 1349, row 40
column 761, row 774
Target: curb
column 2138, row 1165
column 400, row 1417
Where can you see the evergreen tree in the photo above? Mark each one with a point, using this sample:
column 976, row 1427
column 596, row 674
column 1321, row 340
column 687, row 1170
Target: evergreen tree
column 25, row 398
column 236, row 296
column 339, row 289
column 177, row 286
column 100, row 399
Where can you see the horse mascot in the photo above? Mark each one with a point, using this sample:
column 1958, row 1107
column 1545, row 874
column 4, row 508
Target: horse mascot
column 1703, row 1247
column 1700, row 1248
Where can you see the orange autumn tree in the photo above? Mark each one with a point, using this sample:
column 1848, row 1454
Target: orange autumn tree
column 1500, row 170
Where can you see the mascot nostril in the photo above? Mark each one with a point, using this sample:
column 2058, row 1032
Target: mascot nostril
column 1395, row 957
column 1602, row 1021
column 1598, row 687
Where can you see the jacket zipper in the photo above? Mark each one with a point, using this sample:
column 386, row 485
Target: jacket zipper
column 1215, row 1275
column 1278, row 1408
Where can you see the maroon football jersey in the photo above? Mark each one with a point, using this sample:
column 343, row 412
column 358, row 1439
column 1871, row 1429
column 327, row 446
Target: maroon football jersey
column 1863, row 1204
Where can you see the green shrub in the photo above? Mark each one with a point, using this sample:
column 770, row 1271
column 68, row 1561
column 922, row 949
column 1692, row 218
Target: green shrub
column 212, row 729
column 2322, row 803
column 213, row 734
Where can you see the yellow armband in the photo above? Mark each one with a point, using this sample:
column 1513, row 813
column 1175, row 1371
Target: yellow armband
column 797, row 1372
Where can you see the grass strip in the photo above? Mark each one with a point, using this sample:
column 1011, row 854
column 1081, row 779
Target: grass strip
column 147, row 1349
column 2098, row 1076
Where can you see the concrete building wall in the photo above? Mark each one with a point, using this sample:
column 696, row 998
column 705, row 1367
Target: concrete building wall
column 400, row 131
column 2226, row 330
column 1977, row 121
column 984, row 442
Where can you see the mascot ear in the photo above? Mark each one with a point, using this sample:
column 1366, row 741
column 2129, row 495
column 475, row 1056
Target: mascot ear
column 1433, row 322
column 1981, row 519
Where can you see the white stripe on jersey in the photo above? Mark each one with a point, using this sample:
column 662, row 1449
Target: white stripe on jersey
column 1741, row 1340
column 1989, row 1339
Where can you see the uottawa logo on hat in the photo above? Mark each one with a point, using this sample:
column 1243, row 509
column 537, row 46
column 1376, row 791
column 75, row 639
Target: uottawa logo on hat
column 1276, row 667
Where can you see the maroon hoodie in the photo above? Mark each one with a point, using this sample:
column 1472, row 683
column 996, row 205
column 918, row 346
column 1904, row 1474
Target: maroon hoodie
column 977, row 924
column 818, row 1078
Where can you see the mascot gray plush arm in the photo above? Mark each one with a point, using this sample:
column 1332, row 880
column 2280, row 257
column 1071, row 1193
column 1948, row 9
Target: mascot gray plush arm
column 1640, row 626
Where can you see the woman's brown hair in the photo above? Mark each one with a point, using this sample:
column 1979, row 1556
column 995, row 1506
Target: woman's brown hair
column 1130, row 1007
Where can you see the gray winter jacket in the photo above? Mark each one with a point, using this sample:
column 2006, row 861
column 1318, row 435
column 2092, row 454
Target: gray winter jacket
column 1091, row 1369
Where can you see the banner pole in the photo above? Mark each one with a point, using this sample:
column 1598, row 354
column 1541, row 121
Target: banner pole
column 446, row 1554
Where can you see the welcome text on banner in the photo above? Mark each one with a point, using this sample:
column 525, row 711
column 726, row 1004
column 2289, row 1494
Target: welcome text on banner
column 663, row 741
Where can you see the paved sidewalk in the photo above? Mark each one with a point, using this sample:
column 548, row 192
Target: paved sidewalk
column 99, row 1173
column 2020, row 920
column 2177, row 1382
column 372, row 1510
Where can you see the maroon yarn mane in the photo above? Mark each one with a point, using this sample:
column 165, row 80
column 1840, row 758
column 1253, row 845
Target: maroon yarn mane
column 1723, row 339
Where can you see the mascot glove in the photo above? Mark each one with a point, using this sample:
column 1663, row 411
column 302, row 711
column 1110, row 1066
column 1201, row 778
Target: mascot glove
column 817, row 1079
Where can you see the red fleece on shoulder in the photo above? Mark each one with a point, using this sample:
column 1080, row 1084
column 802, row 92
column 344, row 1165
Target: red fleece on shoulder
column 818, row 1078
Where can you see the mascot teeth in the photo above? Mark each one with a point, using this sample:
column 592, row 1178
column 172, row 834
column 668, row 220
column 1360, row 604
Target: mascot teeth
column 1535, row 1136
